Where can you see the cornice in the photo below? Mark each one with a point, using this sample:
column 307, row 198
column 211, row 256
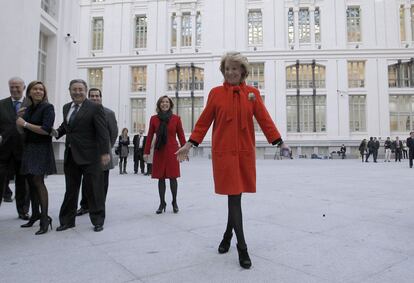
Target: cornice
column 262, row 55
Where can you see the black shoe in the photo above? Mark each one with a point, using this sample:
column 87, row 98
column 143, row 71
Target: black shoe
column 44, row 226
column 175, row 207
column 224, row 245
column 82, row 211
column 64, row 227
column 7, row 199
column 244, row 258
column 98, row 228
column 24, row 216
column 30, row 223
column 161, row 208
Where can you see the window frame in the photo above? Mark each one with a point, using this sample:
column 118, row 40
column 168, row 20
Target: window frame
column 141, row 36
column 95, row 39
column 254, row 27
column 354, row 25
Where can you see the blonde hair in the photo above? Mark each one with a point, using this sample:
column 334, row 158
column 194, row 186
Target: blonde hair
column 238, row 58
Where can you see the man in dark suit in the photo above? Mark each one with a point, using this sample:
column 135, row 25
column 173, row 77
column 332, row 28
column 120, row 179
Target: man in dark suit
column 139, row 144
column 86, row 152
column 375, row 149
column 410, row 145
column 370, row 147
column 11, row 145
column 95, row 95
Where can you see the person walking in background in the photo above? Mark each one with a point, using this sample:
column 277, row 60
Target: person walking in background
column 387, row 146
column 410, row 145
column 232, row 107
column 95, row 95
column 397, row 145
column 375, row 149
column 167, row 126
column 38, row 158
column 343, row 151
column 363, row 148
column 370, row 147
column 86, row 152
column 404, row 150
column 123, row 149
column 139, row 143
column 11, row 145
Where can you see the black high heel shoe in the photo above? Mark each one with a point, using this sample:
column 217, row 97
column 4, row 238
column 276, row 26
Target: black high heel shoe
column 44, row 227
column 244, row 258
column 161, row 208
column 30, row 223
column 175, row 207
column 225, row 244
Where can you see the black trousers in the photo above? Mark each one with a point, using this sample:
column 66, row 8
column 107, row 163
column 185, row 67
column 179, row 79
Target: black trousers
column 411, row 157
column 375, row 154
column 93, row 185
column 139, row 160
column 22, row 195
column 398, row 153
column 368, row 155
column 84, row 200
column 7, row 193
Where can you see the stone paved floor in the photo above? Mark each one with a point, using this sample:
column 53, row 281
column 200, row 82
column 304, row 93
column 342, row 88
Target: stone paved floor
column 310, row 221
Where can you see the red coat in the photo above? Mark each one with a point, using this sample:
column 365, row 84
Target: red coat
column 233, row 141
column 165, row 164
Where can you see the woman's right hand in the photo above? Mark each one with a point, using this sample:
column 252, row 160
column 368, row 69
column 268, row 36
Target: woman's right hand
column 182, row 153
column 145, row 157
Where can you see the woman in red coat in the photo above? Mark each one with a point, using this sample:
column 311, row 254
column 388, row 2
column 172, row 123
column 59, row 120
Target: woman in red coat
column 232, row 107
column 165, row 164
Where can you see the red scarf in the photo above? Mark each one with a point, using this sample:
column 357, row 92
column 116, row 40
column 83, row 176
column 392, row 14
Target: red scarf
column 240, row 90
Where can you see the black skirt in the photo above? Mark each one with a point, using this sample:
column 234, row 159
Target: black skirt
column 38, row 159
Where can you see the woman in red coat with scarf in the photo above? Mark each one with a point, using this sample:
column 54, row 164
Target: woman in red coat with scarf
column 165, row 165
column 232, row 107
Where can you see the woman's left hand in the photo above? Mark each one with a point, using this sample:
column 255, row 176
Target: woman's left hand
column 20, row 122
column 285, row 146
column 182, row 153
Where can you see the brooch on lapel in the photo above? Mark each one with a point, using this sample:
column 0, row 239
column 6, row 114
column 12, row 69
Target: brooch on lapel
column 251, row 96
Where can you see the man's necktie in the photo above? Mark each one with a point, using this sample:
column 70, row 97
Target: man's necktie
column 73, row 115
column 16, row 105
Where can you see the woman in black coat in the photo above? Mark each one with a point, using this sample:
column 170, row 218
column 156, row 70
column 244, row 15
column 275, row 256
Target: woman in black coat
column 123, row 150
column 38, row 158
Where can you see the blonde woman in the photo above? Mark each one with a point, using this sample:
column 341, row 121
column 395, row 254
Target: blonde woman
column 232, row 107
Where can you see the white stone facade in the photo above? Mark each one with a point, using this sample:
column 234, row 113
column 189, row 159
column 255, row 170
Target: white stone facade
column 224, row 27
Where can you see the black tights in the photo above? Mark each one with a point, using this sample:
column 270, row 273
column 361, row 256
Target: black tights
column 235, row 220
column 39, row 195
column 173, row 187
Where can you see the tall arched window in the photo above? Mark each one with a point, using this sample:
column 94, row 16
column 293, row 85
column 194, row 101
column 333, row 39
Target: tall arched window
column 401, row 74
column 185, row 78
column 188, row 97
column 305, row 76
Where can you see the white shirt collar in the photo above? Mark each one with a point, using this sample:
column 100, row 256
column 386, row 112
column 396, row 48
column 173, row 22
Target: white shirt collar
column 21, row 99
